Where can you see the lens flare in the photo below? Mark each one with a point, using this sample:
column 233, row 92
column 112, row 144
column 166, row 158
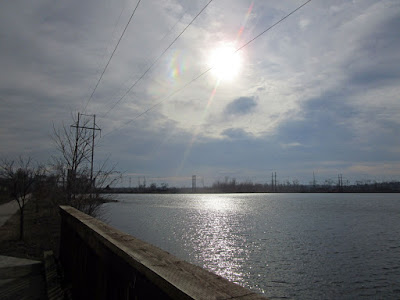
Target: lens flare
column 176, row 66
column 225, row 62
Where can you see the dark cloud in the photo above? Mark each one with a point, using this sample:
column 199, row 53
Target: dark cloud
column 330, row 130
column 377, row 58
column 376, row 76
column 236, row 133
column 385, row 36
column 241, row 106
column 322, row 129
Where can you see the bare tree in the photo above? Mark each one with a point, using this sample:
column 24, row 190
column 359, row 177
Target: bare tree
column 106, row 175
column 74, row 147
column 19, row 179
column 73, row 166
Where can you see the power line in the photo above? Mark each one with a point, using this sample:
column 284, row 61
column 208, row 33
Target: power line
column 159, row 102
column 166, row 34
column 155, row 61
column 204, row 72
column 112, row 36
column 112, row 54
column 272, row 26
column 173, row 27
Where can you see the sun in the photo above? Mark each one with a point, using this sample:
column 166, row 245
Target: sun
column 225, row 62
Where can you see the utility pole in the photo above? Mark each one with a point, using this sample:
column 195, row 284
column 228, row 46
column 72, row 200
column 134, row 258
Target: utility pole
column 71, row 173
column 76, row 139
column 275, row 182
column 91, row 162
column 94, row 128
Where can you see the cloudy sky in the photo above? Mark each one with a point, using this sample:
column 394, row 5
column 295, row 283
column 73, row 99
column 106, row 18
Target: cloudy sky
column 317, row 93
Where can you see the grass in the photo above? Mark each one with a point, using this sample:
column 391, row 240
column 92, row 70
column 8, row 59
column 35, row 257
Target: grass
column 41, row 226
column 41, row 231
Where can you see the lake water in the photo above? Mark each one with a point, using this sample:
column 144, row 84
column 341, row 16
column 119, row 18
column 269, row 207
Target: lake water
column 291, row 246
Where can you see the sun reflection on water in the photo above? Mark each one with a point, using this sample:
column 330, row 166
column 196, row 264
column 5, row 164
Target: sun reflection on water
column 218, row 204
column 218, row 244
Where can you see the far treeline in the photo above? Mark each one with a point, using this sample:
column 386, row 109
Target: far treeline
column 232, row 186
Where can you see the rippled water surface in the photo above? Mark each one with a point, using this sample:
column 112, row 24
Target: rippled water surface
column 294, row 246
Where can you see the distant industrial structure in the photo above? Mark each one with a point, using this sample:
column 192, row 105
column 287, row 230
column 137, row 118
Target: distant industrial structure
column 194, row 183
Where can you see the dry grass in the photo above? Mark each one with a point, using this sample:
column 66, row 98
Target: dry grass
column 42, row 231
column 4, row 198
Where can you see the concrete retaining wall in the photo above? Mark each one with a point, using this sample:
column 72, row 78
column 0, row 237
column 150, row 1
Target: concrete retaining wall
column 102, row 262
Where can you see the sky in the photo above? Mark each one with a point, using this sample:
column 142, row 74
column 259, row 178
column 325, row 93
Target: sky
column 319, row 92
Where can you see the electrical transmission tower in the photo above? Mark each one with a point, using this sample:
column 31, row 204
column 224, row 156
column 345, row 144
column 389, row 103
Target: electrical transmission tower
column 340, row 181
column 314, row 182
column 193, row 183
column 86, row 126
column 273, row 182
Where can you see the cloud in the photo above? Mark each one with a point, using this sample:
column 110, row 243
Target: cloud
column 290, row 145
column 241, row 106
column 236, row 133
column 366, row 168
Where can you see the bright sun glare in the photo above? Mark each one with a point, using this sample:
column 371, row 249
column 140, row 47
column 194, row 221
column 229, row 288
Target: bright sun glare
column 225, row 62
